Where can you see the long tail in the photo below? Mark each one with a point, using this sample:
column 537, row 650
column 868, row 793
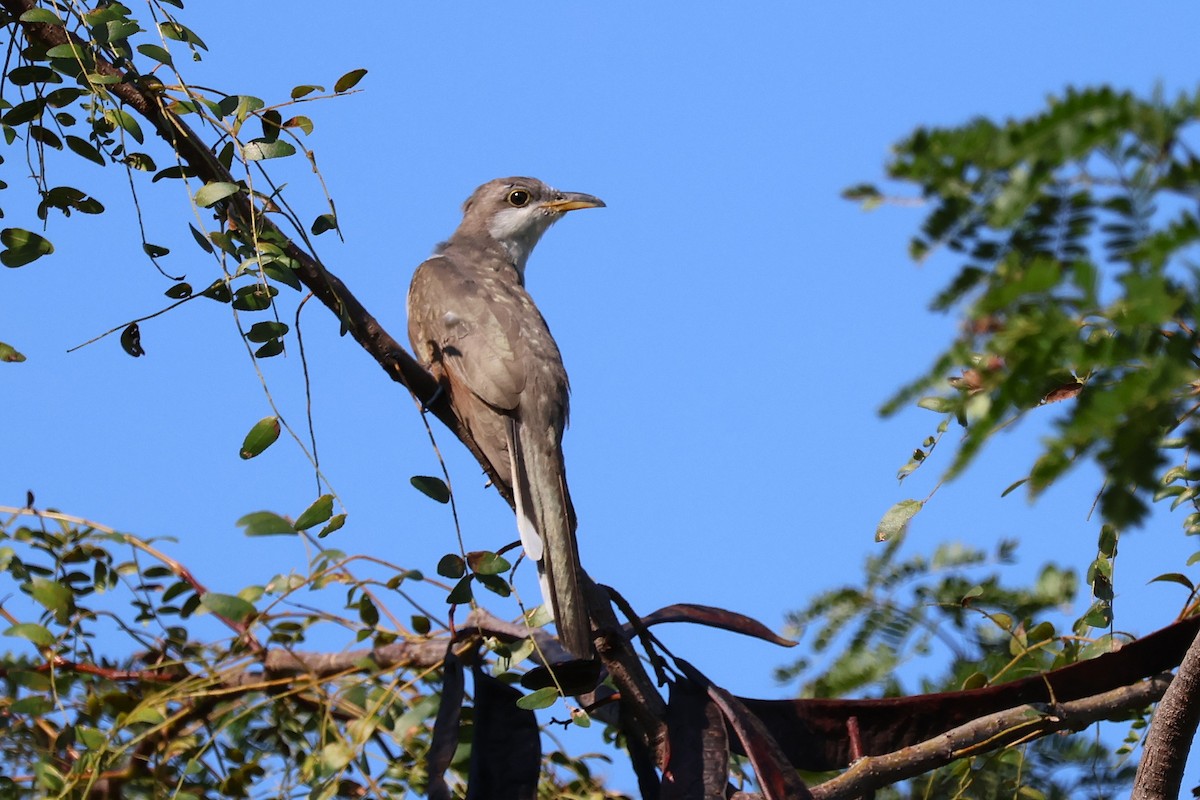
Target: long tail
column 546, row 522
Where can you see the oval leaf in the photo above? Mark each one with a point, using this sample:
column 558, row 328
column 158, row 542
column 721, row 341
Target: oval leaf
column 51, row 594
column 159, row 54
column 261, row 436
column 211, row 193
column 260, row 151
column 487, row 563
column 320, row 511
column 542, row 698
column 451, row 566
column 896, row 520
column 43, row 15
column 228, row 606
column 431, row 487
column 33, row 632
column 349, row 80
column 265, row 523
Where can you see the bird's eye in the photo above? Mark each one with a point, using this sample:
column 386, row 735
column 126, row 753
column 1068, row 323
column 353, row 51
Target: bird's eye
column 518, row 197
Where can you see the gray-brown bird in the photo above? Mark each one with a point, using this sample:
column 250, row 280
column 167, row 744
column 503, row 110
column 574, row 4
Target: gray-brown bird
column 473, row 325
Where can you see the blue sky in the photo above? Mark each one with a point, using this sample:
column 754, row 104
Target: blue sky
column 729, row 324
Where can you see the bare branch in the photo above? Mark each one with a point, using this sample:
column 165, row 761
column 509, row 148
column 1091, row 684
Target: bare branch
column 991, row 732
column 1168, row 742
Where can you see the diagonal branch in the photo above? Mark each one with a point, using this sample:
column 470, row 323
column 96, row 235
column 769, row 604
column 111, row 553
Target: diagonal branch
column 639, row 698
column 992, row 732
column 1168, row 742
column 145, row 99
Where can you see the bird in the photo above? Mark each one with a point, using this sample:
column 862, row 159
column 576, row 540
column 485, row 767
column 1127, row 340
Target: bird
column 475, row 328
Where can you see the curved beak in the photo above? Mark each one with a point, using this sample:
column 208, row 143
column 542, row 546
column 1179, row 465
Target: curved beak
column 572, row 201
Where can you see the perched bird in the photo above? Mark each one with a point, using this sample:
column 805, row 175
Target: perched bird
column 473, row 325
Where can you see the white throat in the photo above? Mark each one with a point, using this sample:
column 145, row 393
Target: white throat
column 519, row 230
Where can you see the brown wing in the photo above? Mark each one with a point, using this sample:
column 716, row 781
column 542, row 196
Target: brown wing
column 465, row 322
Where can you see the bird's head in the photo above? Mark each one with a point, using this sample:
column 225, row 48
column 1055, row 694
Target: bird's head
column 515, row 212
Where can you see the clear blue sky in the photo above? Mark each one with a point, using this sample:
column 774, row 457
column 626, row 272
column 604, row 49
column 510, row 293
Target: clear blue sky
column 730, row 325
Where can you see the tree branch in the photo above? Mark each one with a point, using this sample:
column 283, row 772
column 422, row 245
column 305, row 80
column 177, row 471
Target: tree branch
column 992, row 732
column 1169, row 740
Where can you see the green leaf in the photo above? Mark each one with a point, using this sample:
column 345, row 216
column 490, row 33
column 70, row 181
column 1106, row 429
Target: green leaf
column 367, row 612
column 259, row 151
column 84, row 148
column 265, row 523
column 461, row 593
column 91, row 738
column 131, row 340
column 325, row 222
column 260, row 437
column 451, row 566
column 976, row 680
column 349, row 80
column 542, row 698
column 228, row 606
column 33, row 632
column 1013, row 486
column 487, row 563
column 335, row 756
column 495, row 584
column 148, row 715
column 218, row 291
column 254, row 298
column 173, row 172
column 895, row 521
column 96, row 79
column 205, row 245
column 159, row 54
column 271, row 348
column 266, row 331
column 37, row 706
column 302, row 122
column 141, row 162
column 33, row 73
column 42, row 15
column 9, row 354
column 155, row 250
column 179, row 291
column 305, row 89
column 53, row 595
column 26, row 111
column 211, row 193
column 335, row 524
column 1174, row 577
column 431, row 487
column 1108, row 541
column 180, row 33
column 23, row 247
column 320, row 511
column 941, row 405
column 75, row 52
column 126, row 121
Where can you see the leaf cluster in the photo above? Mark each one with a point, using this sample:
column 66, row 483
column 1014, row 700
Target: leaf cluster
column 1075, row 233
